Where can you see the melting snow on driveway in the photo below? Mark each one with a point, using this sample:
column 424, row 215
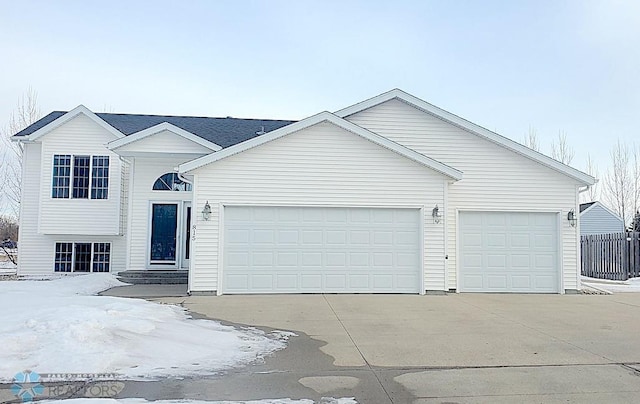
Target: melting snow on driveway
column 326, row 400
column 59, row 326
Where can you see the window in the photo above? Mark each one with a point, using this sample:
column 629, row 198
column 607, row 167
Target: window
column 64, row 257
column 171, row 182
column 101, row 257
column 100, row 177
column 82, row 257
column 61, row 176
column 80, row 177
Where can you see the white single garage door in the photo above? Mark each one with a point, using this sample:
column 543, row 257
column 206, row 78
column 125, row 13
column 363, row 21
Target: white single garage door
column 316, row 250
column 509, row 252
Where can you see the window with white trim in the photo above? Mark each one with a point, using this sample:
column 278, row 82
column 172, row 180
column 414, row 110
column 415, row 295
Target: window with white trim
column 100, row 177
column 171, row 182
column 101, row 257
column 61, row 176
column 80, row 177
column 82, row 257
column 64, row 257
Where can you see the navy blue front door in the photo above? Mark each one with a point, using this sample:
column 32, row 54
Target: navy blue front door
column 164, row 227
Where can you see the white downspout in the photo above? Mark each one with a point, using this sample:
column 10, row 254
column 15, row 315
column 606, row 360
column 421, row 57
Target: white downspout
column 578, row 249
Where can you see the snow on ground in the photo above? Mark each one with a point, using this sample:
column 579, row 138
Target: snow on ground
column 57, row 326
column 325, row 400
column 7, row 268
column 631, row 285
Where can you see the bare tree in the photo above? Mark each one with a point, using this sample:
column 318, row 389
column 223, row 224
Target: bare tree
column 26, row 113
column 561, row 150
column 635, row 179
column 594, row 191
column 619, row 189
column 531, row 139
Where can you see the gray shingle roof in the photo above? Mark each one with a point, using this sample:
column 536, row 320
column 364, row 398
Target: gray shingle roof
column 224, row 132
column 584, row 206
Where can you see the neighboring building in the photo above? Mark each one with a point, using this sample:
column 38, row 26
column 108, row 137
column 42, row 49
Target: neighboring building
column 595, row 218
column 391, row 195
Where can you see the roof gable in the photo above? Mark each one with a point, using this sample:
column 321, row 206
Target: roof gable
column 190, row 140
column 57, row 119
column 313, row 120
column 597, row 205
column 469, row 127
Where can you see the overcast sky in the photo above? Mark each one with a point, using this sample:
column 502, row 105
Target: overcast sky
column 506, row 65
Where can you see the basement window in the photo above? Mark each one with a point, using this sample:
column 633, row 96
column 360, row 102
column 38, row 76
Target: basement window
column 82, row 257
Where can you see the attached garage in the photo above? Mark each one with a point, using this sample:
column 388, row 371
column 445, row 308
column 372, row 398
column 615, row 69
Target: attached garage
column 509, row 252
column 321, row 249
column 392, row 195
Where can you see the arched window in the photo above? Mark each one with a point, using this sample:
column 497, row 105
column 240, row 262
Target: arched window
column 171, row 182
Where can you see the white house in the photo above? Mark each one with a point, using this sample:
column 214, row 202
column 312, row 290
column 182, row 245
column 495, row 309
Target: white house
column 595, row 218
column 390, row 195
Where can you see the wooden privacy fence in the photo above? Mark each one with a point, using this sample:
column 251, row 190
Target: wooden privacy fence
column 611, row 256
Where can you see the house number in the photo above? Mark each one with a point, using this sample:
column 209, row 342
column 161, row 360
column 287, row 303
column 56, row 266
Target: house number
column 193, row 232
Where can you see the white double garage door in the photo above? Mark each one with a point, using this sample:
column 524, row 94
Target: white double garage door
column 378, row 250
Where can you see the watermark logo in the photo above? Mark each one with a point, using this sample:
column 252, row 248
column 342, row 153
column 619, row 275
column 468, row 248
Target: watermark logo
column 26, row 385
column 29, row 385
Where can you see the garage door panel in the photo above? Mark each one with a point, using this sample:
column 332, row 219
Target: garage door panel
column 264, row 215
column 496, row 261
column 262, row 259
column 520, row 262
column 520, row 240
column 496, row 240
column 521, row 282
column 288, row 237
column 359, row 281
column 296, row 249
column 287, row 281
column 526, row 262
column 471, row 239
column 545, row 241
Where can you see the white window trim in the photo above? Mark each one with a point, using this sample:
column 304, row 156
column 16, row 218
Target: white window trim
column 91, row 156
column 73, row 256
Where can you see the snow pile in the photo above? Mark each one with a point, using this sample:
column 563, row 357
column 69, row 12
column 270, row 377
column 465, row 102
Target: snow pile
column 7, row 268
column 631, row 285
column 325, row 400
column 56, row 326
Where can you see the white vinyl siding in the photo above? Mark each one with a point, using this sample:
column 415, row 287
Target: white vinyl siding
column 321, row 166
column 598, row 220
column 64, row 218
column 78, row 216
column 146, row 170
column 276, row 249
column 164, row 142
column 495, row 178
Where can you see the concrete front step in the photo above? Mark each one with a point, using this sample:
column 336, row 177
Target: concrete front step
column 155, row 277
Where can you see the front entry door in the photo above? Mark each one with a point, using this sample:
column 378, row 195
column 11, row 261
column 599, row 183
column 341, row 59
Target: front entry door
column 164, row 231
column 186, row 234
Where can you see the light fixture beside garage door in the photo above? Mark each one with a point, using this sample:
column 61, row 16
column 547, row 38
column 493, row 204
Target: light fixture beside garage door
column 206, row 211
column 436, row 215
column 571, row 217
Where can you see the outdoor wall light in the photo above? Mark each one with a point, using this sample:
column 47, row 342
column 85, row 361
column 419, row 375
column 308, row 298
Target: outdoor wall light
column 206, row 211
column 436, row 215
column 571, row 217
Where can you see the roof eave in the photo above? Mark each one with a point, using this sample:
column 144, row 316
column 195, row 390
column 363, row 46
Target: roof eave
column 462, row 123
column 435, row 165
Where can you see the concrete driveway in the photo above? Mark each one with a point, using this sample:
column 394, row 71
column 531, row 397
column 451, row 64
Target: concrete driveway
column 467, row 348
